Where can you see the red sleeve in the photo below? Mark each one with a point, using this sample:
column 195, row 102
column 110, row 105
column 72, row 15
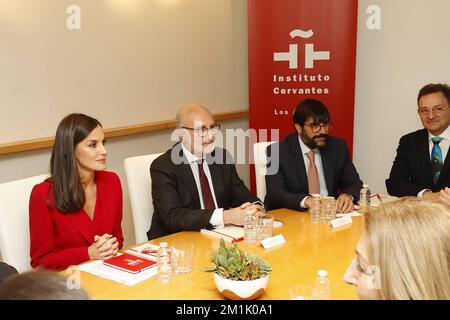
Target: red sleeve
column 118, row 222
column 42, row 250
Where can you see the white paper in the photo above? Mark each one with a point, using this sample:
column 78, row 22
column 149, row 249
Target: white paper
column 277, row 224
column 99, row 269
column 376, row 201
column 339, row 222
column 350, row 214
column 227, row 233
column 273, row 241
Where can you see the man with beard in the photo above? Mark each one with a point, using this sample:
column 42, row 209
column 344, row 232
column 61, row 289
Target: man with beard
column 310, row 162
column 195, row 184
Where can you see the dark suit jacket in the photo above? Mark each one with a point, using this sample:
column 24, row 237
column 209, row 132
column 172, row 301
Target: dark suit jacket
column 411, row 171
column 288, row 187
column 175, row 197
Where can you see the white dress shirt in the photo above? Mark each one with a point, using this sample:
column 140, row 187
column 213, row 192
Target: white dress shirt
column 318, row 161
column 444, row 145
column 217, row 216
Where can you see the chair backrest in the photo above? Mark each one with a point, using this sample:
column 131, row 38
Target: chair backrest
column 137, row 170
column 260, row 160
column 14, row 221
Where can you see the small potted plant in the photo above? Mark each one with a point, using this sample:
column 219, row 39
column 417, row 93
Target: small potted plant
column 239, row 275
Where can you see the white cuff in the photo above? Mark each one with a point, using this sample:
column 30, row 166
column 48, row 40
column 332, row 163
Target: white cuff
column 420, row 194
column 217, row 218
column 302, row 204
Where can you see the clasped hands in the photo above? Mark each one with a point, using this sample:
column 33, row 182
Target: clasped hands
column 236, row 215
column 104, row 247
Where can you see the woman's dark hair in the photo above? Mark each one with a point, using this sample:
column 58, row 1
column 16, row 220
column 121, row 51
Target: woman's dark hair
column 311, row 108
column 68, row 193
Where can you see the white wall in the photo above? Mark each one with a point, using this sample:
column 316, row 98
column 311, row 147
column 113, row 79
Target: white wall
column 411, row 49
column 131, row 61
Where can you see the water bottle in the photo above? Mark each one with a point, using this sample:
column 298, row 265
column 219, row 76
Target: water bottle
column 364, row 198
column 322, row 285
column 316, row 209
column 251, row 228
column 165, row 268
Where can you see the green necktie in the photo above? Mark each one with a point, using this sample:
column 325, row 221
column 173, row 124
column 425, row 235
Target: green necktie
column 436, row 158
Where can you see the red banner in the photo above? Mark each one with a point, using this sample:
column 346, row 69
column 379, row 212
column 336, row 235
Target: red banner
column 300, row 49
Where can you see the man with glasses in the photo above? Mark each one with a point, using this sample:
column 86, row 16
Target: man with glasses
column 310, row 161
column 421, row 167
column 195, row 184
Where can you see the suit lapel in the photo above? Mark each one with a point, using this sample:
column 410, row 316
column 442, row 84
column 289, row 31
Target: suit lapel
column 217, row 178
column 327, row 169
column 424, row 152
column 83, row 224
column 217, row 181
column 294, row 147
column 445, row 169
column 80, row 221
column 187, row 177
column 185, row 173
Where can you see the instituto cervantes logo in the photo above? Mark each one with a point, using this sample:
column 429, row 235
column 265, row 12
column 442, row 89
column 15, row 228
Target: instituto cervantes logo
column 313, row 81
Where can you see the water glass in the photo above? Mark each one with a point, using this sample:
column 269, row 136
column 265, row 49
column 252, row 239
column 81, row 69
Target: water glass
column 329, row 208
column 183, row 257
column 315, row 209
column 265, row 226
column 251, row 228
column 300, row 292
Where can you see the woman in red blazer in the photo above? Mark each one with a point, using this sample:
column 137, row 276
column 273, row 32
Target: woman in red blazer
column 76, row 214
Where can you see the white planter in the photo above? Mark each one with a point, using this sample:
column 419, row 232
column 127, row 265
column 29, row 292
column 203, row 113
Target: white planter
column 241, row 290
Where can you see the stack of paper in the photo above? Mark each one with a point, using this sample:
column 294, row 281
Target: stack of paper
column 99, row 269
column 146, row 251
column 350, row 214
column 228, row 233
column 377, row 199
column 232, row 233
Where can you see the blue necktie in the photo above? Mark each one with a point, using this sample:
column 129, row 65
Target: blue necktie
column 436, row 159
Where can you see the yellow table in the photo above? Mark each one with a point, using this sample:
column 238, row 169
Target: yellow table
column 308, row 248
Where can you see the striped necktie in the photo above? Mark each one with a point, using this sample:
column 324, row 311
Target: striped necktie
column 436, row 159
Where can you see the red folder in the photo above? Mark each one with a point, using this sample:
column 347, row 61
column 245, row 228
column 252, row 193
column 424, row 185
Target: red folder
column 129, row 263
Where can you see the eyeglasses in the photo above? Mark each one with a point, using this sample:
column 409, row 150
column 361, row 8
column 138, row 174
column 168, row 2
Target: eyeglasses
column 203, row 131
column 316, row 127
column 423, row 112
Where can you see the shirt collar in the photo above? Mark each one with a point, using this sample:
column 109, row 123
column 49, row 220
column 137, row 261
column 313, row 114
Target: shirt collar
column 189, row 156
column 444, row 135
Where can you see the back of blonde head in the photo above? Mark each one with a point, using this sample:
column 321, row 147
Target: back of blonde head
column 409, row 240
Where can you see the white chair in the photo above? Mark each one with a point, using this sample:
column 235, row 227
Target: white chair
column 14, row 221
column 260, row 160
column 137, row 170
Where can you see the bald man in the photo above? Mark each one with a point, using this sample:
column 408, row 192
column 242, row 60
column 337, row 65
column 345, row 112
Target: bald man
column 195, row 184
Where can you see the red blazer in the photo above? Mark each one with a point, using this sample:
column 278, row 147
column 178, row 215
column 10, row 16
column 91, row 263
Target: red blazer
column 59, row 240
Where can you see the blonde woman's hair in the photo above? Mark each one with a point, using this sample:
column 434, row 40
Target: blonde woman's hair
column 409, row 240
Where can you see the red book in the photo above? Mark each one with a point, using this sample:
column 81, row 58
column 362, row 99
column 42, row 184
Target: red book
column 129, row 263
